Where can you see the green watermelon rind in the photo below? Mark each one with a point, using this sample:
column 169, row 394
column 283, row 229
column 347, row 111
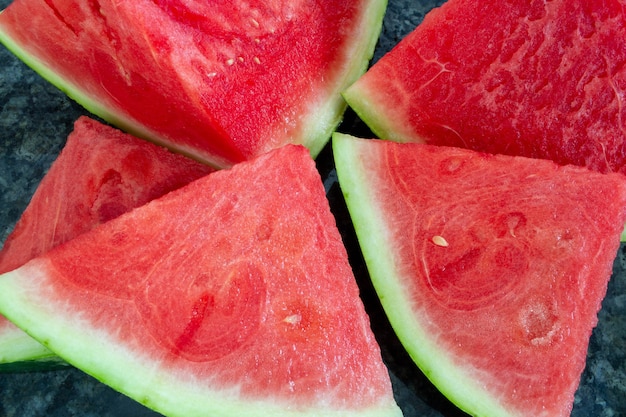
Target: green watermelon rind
column 454, row 381
column 318, row 126
column 383, row 125
column 331, row 113
column 15, row 346
column 135, row 374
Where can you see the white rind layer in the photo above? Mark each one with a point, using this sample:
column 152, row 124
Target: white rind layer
column 356, row 60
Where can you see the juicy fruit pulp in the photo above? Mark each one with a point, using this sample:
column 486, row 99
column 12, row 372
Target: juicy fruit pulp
column 531, row 78
column 490, row 268
column 100, row 174
column 195, row 304
column 219, row 81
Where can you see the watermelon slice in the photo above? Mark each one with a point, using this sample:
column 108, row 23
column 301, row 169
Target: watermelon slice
column 531, row 78
column 195, row 304
column 491, row 268
column 221, row 81
column 100, row 174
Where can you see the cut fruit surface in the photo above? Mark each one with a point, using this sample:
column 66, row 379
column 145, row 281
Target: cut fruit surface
column 230, row 296
column 531, row 78
column 220, row 81
column 100, row 174
column 490, row 268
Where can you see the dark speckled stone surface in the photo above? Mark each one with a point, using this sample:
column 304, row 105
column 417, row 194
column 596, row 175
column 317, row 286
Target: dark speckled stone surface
column 35, row 119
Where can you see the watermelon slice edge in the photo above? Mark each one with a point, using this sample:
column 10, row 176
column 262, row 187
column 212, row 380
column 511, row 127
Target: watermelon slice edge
column 492, row 347
column 292, row 351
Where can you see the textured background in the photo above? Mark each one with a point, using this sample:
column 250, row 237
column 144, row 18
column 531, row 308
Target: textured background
column 35, row 119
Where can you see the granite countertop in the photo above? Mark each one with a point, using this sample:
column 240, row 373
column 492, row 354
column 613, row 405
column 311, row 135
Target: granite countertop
column 35, row 119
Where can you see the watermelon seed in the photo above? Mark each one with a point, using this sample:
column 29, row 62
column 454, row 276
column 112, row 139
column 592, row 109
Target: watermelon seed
column 293, row 319
column 257, row 60
column 230, row 61
column 440, row 241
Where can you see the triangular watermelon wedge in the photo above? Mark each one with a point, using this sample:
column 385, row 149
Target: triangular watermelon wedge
column 490, row 268
column 542, row 79
column 100, row 173
column 220, row 81
column 232, row 296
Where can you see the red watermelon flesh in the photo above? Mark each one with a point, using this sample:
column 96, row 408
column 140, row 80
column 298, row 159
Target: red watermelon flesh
column 221, row 81
column 491, row 268
column 100, row 173
column 196, row 304
column 532, row 78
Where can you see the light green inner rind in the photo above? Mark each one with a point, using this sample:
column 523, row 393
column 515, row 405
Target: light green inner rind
column 169, row 391
column 324, row 121
column 21, row 353
column 18, row 351
column 362, row 101
column 377, row 244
